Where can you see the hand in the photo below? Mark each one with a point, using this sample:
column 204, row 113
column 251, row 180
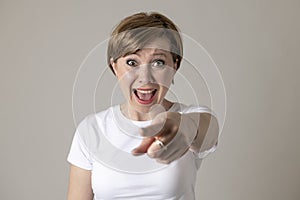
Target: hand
column 168, row 137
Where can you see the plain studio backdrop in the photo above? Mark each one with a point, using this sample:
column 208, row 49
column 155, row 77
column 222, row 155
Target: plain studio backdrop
column 255, row 45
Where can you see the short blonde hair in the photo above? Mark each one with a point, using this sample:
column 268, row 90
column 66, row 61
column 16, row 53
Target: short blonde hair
column 137, row 30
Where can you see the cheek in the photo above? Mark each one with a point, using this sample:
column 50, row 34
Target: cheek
column 165, row 78
column 126, row 80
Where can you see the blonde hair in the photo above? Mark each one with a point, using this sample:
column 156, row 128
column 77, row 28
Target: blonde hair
column 137, row 30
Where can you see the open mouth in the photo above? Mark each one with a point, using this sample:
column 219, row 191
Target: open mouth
column 145, row 96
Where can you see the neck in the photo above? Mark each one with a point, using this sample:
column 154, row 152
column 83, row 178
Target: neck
column 145, row 113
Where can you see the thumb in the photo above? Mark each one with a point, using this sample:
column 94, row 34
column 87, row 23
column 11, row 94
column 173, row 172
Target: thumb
column 143, row 147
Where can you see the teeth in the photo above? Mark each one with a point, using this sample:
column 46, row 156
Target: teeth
column 145, row 91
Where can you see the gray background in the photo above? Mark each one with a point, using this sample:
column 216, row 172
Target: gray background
column 254, row 43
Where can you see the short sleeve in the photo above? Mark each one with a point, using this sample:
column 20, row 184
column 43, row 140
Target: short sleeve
column 79, row 155
column 202, row 109
column 199, row 109
column 203, row 154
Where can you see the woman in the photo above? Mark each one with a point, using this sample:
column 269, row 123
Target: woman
column 144, row 53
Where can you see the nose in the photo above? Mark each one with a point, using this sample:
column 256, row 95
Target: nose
column 145, row 75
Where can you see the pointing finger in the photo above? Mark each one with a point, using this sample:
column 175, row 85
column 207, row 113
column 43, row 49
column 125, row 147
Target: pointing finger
column 143, row 147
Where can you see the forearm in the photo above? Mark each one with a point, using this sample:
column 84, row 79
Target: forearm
column 207, row 131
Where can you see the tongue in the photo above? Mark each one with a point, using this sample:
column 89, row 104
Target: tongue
column 144, row 97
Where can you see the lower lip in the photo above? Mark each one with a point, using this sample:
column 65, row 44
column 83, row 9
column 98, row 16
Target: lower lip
column 145, row 102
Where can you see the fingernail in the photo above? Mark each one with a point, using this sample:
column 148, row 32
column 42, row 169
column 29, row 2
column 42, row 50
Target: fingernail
column 136, row 153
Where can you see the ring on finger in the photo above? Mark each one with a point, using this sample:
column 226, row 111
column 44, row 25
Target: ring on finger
column 161, row 144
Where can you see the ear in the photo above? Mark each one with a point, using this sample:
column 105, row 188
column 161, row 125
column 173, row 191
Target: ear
column 176, row 64
column 113, row 65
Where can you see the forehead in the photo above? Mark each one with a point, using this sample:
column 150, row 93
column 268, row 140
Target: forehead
column 159, row 44
column 152, row 52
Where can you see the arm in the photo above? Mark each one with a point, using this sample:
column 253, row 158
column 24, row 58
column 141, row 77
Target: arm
column 80, row 184
column 207, row 132
column 196, row 132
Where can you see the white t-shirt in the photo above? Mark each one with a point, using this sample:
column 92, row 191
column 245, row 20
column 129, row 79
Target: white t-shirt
column 102, row 143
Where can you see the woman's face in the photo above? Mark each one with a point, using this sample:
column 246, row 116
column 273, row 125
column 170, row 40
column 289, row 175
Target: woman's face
column 145, row 76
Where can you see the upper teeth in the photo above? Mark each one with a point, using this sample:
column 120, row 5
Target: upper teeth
column 145, row 91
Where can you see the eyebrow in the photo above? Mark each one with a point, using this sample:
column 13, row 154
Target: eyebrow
column 159, row 54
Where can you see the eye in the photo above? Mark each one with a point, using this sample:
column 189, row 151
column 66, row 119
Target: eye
column 131, row 62
column 158, row 63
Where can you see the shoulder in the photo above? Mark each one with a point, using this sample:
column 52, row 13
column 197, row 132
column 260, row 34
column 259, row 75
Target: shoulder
column 93, row 119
